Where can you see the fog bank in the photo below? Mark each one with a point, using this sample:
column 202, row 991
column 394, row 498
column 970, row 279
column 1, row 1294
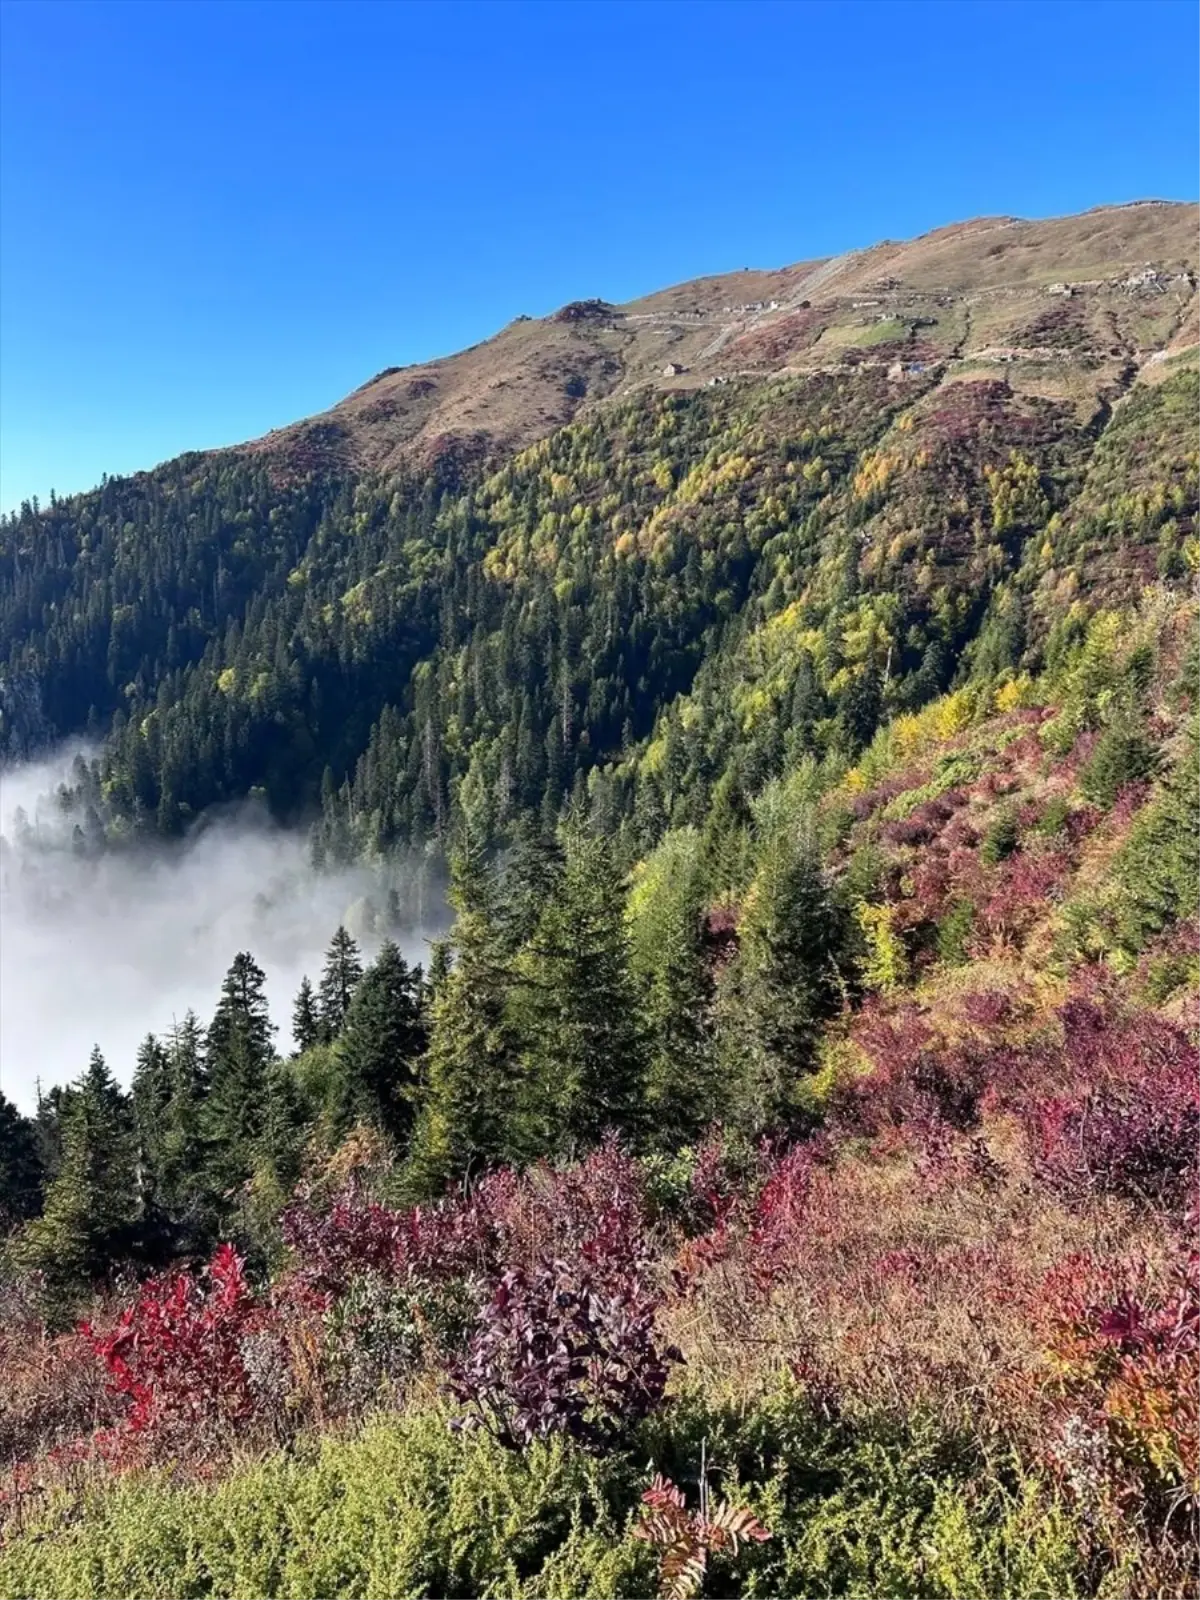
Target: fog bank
column 101, row 948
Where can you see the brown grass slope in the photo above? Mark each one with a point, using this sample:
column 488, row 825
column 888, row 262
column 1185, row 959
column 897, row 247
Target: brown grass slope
column 1071, row 308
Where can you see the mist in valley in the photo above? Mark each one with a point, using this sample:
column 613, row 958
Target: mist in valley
column 101, row 946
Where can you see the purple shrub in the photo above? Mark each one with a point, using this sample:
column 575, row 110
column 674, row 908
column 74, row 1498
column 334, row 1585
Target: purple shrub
column 555, row 1352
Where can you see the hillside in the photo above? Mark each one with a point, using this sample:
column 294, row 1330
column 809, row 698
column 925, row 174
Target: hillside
column 782, row 1179
column 971, row 298
column 852, row 522
column 937, row 1334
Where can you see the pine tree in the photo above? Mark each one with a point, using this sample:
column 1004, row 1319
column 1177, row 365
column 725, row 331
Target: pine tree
column 382, row 1044
column 20, row 1167
column 238, row 1051
column 183, row 1154
column 87, row 1224
column 723, row 844
column 531, row 876
column 339, row 979
column 306, row 1020
column 582, row 1035
column 151, row 1095
column 275, row 1152
column 468, row 1111
column 784, row 984
column 683, row 1088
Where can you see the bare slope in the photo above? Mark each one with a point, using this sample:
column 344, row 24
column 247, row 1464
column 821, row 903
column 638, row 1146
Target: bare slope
column 1070, row 308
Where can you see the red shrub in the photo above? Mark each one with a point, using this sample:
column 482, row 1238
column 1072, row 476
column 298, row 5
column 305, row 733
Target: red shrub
column 987, row 1008
column 1135, row 1140
column 916, row 1081
column 357, row 1235
column 1022, row 888
column 178, row 1352
column 595, row 1209
column 779, row 1222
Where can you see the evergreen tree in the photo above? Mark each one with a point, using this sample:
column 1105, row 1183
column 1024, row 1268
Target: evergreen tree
column 1159, row 865
column 683, row 1089
column 784, row 984
column 48, row 1128
column 859, row 712
column 87, row 1223
column 469, row 1107
column 238, row 1052
column 582, row 1037
column 723, row 843
column 531, row 876
column 20, row 1167
column 306, row 1019
column 275, row 1152
column 382, row 1044
column 339, row 979
column 183, row 1152
column 151, row 1096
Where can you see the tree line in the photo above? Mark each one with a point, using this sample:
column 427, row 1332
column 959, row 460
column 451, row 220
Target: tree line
column 563, row 1004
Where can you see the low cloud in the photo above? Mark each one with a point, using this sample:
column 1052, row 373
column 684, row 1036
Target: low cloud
column 101, row 948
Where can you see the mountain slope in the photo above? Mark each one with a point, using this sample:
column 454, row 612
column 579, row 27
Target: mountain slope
column 920, row 474
column 976, row 295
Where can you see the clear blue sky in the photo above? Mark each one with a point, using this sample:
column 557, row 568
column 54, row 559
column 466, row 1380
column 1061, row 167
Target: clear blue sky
column 216, row 218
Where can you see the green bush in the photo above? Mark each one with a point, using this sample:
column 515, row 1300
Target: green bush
column 1001, row 839
column 953, row 932
column 1054, row 818
column 406, row 1508
column 409, row 1508
column 1122, row 756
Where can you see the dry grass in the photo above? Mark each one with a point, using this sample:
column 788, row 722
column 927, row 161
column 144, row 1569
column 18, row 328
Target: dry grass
column 900, row 1292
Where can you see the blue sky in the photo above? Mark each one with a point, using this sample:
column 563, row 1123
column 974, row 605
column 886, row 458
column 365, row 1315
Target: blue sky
column 216, row 218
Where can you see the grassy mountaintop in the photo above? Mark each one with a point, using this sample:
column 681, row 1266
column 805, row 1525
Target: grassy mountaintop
column 981, row 296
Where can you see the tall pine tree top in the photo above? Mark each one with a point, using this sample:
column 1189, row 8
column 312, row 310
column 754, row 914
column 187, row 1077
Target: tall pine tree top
column 339, row 979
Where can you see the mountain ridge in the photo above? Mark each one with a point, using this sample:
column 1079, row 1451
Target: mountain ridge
column 537, row 374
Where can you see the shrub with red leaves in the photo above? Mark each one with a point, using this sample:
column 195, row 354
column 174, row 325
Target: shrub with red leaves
column 598, row 1209
column 987, row 1008
column 1126, row 1381
column 357, row 1235
column 1021, row 890
column 1136, row 1140
column 178, row 1353
column 915, row 1079
column 779, row 1223
column 556, row 1352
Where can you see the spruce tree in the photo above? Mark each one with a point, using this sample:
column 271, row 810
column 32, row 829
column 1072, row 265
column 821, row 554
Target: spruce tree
column 724, row 841
column 151, row 1095
column 306, row 1019
column 20, row 1167
column 531, row 876
column 86, row 1227
column 582, row 1040
column 339, row 979
column 469, row 1108
column 683, row 1087
column 238, row 1052
column 382, row 1044
column 184, row 1148
column 784, row 985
